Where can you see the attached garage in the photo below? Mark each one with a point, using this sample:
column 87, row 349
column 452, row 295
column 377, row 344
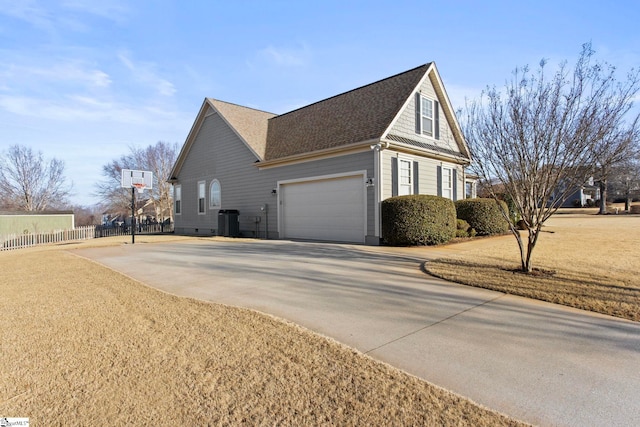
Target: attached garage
column 329, row 208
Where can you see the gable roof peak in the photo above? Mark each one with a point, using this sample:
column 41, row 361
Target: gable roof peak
column 358, row 115
column 216, row 101
column 248, row 123
column 423, row 66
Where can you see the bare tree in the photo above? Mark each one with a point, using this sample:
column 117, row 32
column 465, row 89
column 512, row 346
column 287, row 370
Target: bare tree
column 625, row 181
column 85, row 215
column 619, row 146
column 114, row 198
column 536, row 142
column 29, row 183
column 159, row 159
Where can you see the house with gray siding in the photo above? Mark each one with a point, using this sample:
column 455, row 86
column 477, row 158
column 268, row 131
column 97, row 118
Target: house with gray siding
column 319, row 172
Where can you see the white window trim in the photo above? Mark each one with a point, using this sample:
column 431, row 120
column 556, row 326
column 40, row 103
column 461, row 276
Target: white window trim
column 451, row 183
column 211, row 204
column 436, row 108
column 177, row 198
column 204, row 196
column 410, row 185
column 423, row 117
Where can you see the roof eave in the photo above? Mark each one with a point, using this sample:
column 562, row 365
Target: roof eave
column 258, row 156
column 409, row 149
column 188, row 141
column 186, row 147
column 316, row 155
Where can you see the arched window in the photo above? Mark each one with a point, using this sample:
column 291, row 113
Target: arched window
column 215, row 195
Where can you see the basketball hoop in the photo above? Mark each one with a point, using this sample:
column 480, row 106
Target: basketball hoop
column 138, row 180
column 140, row 186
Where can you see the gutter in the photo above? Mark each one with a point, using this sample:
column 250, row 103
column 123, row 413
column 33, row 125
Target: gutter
column 317, row 155
column 422, row 151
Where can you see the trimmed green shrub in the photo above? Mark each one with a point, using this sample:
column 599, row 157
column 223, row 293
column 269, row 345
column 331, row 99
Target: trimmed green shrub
column 462, row 233
column 514, row 215
column 483, row 215
column 418, row 220
column 461, row 224
column 463, row 229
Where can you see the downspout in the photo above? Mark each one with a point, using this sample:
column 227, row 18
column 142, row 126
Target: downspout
column 377, row 179
column 464, row 182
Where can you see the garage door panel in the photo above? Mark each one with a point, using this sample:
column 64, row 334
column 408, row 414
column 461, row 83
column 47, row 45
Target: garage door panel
column 329, row 209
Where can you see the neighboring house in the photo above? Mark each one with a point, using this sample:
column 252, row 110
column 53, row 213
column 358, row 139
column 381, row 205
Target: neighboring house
column 471, row 186
column 35, row 222
column 145, row 213
column 321, row 171
column 576, row 196
column 583, row 196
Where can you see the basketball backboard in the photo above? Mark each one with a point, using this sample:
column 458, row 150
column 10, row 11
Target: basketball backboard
column 137, row 179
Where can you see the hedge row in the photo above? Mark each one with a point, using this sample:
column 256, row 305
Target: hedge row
column 432, row 220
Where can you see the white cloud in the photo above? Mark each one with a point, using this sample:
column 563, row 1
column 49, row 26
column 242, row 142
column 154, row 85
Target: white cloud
column 29, row 11
column 70, row 15
column 286, row 57
column 144, row 72
column 71, row 71
column 112, row 10
column 82, row 108
column 15, row 104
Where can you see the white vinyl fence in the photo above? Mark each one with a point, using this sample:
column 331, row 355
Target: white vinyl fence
column 18, row 241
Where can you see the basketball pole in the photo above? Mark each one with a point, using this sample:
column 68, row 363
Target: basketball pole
column 133, row 215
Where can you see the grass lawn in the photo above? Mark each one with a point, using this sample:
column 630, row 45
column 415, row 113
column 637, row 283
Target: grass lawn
column 585, row 261
column 84, row 345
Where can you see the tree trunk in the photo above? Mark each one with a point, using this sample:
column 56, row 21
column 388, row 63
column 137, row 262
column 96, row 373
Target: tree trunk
column 520, row 247
column 525, row 254
column 603, row 197
column 531, row 243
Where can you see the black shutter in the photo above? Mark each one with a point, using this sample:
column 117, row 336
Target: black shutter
column 455, row 184
column 418, row 116
column 394, row 176
column 416, row 179
column 440, row 181
column 436, row 114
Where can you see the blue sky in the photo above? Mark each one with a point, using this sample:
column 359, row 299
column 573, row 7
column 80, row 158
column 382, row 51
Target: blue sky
column 84, row 80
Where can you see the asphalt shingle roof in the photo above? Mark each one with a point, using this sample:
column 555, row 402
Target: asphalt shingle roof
column 251, row 124
column 358, row 115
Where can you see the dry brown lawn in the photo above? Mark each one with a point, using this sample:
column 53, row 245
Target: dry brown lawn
column 84, row 345
column 585, row 261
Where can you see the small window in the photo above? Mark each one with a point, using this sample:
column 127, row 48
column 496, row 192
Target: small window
column 405, row 177
column 427, row 117
column 215, row 199
column 447, row 183
column 177, row 199
column 201, row 187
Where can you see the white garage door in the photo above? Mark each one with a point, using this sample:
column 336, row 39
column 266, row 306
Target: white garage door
column 327, row 209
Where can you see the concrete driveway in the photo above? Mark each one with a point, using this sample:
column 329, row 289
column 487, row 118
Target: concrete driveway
column 540, row 363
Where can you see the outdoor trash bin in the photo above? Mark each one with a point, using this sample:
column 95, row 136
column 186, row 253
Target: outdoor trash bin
column 228, row 223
